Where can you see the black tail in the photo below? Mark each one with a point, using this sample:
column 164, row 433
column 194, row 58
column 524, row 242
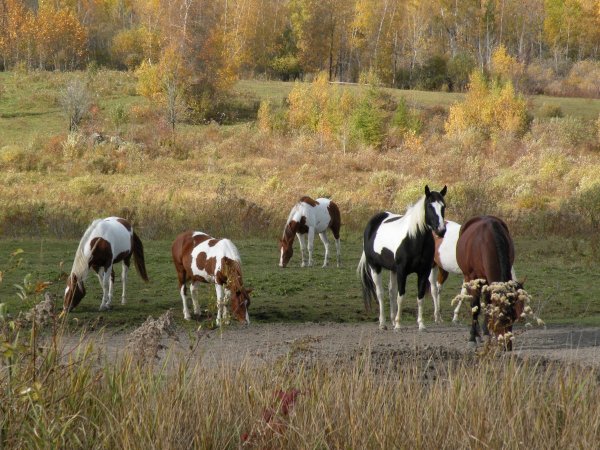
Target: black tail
column 138, row 257
column 368, row 286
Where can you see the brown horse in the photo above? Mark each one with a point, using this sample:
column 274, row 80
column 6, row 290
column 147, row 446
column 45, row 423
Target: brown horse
column 485, row 251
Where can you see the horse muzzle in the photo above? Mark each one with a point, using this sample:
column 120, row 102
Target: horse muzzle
column 440, row 231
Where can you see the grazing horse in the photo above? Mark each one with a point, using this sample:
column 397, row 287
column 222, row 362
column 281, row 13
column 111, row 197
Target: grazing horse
column 201, row 258
column 105, row 243
column 485, row 251
column 402, row 245
column 310, row 216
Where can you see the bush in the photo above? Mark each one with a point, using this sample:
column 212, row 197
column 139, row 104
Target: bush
column 491, row 109
column 550, row 110
column 405, row 119
column 368, row 121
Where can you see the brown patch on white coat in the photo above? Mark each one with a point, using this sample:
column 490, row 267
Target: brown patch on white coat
column 199, row 258
column 95, row 252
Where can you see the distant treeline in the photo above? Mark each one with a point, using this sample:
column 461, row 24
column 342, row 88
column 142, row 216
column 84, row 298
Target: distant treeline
column 425, row 44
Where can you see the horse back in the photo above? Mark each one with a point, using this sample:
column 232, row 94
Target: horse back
column 109, row 242
column 485, row 249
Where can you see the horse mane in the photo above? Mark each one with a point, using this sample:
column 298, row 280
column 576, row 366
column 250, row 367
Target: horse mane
column 81, row 262
column 415, row 217
column 232, row 267
column 290, row 215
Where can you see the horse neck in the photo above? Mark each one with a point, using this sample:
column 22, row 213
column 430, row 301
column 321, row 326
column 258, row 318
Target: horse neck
column 233, row 272
column 81, row 266
column 289, row 232
column 81, row 261
column 415, row 215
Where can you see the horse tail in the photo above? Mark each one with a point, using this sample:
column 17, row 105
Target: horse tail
column 138, row 256
column 368, row 286
column 503, row 244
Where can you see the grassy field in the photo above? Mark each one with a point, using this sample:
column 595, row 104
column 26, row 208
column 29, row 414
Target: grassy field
column 30, row 107
column 557, row 273
column 277, row 91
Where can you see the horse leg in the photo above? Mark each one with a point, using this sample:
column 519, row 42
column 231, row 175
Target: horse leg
column 194, row 295
column 393, row 290
column 377, row 281
column 181, row 278
column 104, row 277
column 401, row 282
column 338, row 252
column 422, row 282
column 221, row 307
column 475, row 307
column 124, row 281
column 455, row 319
column 435, row 293
column 311, row 242
column 302, row 241
column 325, row 241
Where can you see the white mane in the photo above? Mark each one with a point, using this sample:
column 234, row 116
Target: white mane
column 295, row 209
column 80, row 263
column 415, row 217
column 232, row 250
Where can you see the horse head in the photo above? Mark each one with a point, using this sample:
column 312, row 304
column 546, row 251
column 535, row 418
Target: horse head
column 435, row 208
column 240, row 301
column 74, row 292
column 286, row 249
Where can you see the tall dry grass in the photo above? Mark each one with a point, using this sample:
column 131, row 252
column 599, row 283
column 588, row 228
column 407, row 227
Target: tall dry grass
column 81, row 399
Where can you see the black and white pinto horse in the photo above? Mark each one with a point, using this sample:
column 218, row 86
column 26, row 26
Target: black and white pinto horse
column 402, row 245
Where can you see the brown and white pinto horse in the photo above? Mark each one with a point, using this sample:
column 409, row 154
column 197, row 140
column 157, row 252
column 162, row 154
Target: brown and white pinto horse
column 310, row 216
column 485, row 250
column 201, row 258
column 105, row 243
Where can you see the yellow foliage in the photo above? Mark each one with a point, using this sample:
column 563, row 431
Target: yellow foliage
column 506, row 67
column 489, row 110
column 149, row 83
column 264, row 116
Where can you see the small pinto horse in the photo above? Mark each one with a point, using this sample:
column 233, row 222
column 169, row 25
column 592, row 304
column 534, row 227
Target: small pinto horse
column 105, row 243
column 485, row 250
column 444, row 262
column 402, row 245
column 310, row 216
column 201, row 258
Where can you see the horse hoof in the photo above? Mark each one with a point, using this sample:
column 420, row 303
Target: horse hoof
column 455, row 322
column 396, row 328
column 188, row 317
column 104, row 307
column 472, row 345
column 382, row 327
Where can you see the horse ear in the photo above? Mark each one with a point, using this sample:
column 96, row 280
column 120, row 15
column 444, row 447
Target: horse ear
column 249, row 290
column 522, row 281
column 427, row 191
column 443, row 191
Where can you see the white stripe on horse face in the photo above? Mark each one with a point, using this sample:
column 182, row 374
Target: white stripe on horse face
column 437, row 207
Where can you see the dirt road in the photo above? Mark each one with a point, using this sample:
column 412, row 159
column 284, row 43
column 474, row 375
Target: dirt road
column 264, row 343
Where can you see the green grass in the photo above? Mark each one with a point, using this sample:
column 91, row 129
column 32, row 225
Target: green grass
column 559, row 275
column 277, row 91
